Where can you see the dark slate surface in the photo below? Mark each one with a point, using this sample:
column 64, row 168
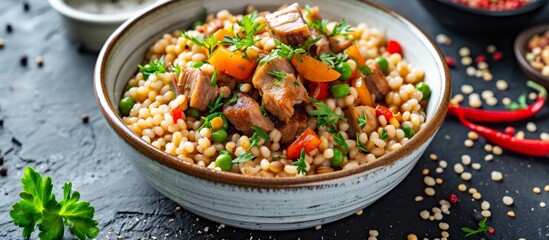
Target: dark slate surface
column 41, row 107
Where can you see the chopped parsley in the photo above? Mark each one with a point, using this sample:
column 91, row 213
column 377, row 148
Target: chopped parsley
column 263, row 111
column 320, row 25
column 360, row 146
column 384, row 135
column 176, row 69
column 341, row 28
column 362, row 120
column 249, row 28
column 214, row 78
column 209, row 43
column 232, row 100
column 332, row 59
column 213, row 107
column 325, row 116
column 208, row 120
column 300, row 163
column 197, row 64
column 296, row 84
column 340, row 140
column 365, row 70
column 288, row 52
column 279, row 75
column 259, row 133
column 153, row 67
column 278, row 156
column 243, row 158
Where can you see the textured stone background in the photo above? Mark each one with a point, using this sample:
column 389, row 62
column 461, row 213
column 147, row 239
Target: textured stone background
column 42, row 128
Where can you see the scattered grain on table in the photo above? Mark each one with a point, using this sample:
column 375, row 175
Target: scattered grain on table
column 507, row 200
column 531, row 127
column 467, row 89
column 464, row 51
column 466, row 159
column 511, row 214
column 462, row 187
column 468, row 143
column 496, row 176
column 488, row 157
column 418, row 198
column 466, row 176
column 486, row 213
column 542, row 204
column 536, row 190
column 429, row 191
column 497, row 150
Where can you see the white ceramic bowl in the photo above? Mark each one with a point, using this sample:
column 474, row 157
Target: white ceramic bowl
column 91, row 30
column 266, row 203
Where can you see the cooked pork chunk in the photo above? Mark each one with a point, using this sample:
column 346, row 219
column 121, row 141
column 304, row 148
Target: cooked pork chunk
column 294, row 127
column 367, row 112
column 340, row 43
column 279, row 95
column 288, row 26
column 322, row 45
column 245, row 114
column 377, row 84
column 195, row 83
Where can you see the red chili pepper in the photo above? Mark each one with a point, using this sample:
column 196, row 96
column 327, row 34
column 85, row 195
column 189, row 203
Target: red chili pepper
column 453, row 198
column 497, row 56
column 491, row 230
column 480, row 58
column 382, row 110
column 529, row 147
column 509, row 130
column 308, row 140
column 176, row 114
column 450, row 61
column 318, row 90
column 394, row 47
column 496, row 116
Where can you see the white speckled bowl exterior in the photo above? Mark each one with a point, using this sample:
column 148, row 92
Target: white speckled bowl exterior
column 253, row 202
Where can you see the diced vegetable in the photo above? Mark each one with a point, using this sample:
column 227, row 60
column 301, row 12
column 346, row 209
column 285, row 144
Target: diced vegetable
column 125, row 106
column 383, row 111
column 340, row 90
column 364, row 95
column 197, row 64
column 383, row 64
column 232, row 63
column 217, row 123
column 338, row 158
column 425, row 89
column 345, row 70
column 192, row 112
column 394, row 47
column 308, row 140
column 176, row 114
column 221, row 33
column 314, row 70
column 224, row 161
column 408, row 131
column 318, row 90
column 355, row 54
column 219, row 135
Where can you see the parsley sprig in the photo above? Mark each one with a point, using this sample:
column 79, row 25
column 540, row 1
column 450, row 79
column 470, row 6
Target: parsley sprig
column 279, row 75
column 384, row 136
column 232, row 100
column 153, row 67
column 332, row 59
column 213, row 107
column 341, row 28
column 362, row 120
column 249, row 28
column 206, row 42
column 243, row 158
column 288, row 52
column 365, row 70
column 360, row 146
column 300, row 163
column 339, row 139
column 481, row 228
column 39, row 207
column 255, row 139
column 325, row 116
column 320, row 25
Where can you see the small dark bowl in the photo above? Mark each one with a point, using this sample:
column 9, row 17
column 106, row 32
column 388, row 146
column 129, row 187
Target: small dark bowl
column 521, row 43
column 464, row 18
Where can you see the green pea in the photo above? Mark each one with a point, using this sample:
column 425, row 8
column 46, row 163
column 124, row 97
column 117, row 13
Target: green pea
column 383, row 63
column 425, row 89
column 192, row 112
column 125, row 105
column 344, row 69
column 224, row 161
column 197, row 64
column 408, row 131
column 337, row 159
column 340, row 90
column 219, row 135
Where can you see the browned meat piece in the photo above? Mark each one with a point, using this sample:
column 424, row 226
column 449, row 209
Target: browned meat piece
column 288, row 26
column 294, row 127
column 340, row 43
column 245, row 114
column 224, row 79
column 322, row 45
column 196, row 85
column 377, row 84
column 279, row 96
column 354, row 113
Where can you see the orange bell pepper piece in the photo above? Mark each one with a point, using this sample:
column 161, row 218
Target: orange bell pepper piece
column 355, row 54
column 308, row 140
column 232, row 63
column 221, row 33
column 314, row 70
column 364, row 95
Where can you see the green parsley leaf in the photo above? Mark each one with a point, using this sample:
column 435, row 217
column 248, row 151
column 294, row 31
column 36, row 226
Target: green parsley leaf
column 279, row 75
column 232, row 100
column 208, row 120
column 263, row 111
column 209, row 43
column 360, row 146
column 339, row 139
column 39, row 207
column 481, row 228
column 197, row 64
column 255, row 139
column 288, row 52
column 384, row 135
column 362, row 120
column 341, row 28
column 249, row 28
column 214, row 78
column 332, row 59
column 243, row 158
column 153, row 67
column 300, row 163
column 213, row 107
column 365, row 70
column 520, row 104
column 176, row 69
column 278, row 156
column 325, row 116
column 296, row 84
column 320, row 25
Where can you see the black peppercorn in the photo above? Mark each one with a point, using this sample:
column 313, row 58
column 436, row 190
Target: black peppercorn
column 24, row 60
column 1, row 160
column 9, row 28
column 26, row 6
column 85, row 118
column 3, row 171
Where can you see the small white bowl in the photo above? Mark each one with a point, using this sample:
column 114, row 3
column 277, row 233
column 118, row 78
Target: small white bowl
column 90, row 29
column 255, row 202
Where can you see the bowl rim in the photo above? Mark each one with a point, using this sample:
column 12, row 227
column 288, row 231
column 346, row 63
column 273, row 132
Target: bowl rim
column 507, row 13
column 519, row 48
column 68, row 11
column 111, row 115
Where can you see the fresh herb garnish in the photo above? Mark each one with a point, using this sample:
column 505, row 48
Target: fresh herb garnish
column 153, row 67
column 278, row 156
column 332, row 59
column 288, row 52
column 339, row 139
column 325, row 116
column 259, row 133
column 197, row 64
column 249, row 28
column 300, row 163
column 520, row 104
column 362, row 120
column 39, row 207
column 296, row 84
column 365, row 70
column 213, row 107
column 232, row 100
column 209, row 43
column 279, row 75
column 214, row 78
column 208, row 119
column 243, row 158
column 320, row 25
column 481, row 228
column 341, row 28
column 360, row 146
column 384, row 136
column 263, row 111
column 176, row 69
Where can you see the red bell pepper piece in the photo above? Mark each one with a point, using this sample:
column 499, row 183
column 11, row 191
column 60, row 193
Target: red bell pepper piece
column 394, row 47
column 318, row 90
column 176, row 114
column 383, row 111
column 308, row 140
